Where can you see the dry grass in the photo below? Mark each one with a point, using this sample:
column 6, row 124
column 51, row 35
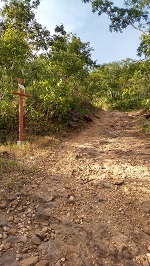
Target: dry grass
column 17, row 162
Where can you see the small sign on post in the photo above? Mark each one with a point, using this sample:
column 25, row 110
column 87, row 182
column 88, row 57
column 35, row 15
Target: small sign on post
column 21, row 95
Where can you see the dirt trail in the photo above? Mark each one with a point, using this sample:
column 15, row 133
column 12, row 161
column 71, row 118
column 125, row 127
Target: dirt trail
column 90, row 199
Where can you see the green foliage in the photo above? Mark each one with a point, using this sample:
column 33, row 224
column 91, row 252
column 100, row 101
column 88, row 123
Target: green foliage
column 133, row 13
column 61, row 78
column 19, row 15
column 55, row 78
column 124, row 85
column 65, row 71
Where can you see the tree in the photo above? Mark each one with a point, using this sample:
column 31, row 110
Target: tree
column 121, row 85
column 60, row 77
column 20, row 38
column 134, row 13
column 19, row 15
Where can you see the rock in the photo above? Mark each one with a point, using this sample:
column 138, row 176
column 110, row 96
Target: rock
column 10, row 219
column 50, row 205
column 53, row 197
column 14, row 239
column 12, row 231
column 102, row 200
column 65, row 222
column 22, row 239
column 8, row 258
column 3, row 204
column 119, row 182
column 63, row 259
column 18, row 257
column 14, row 203
column 148, row 257
column 5, row 246
column 126, row 254
column 24, row 250
column 40, row 198
column 106, row 185
column 6, row 228
column 71, row 199
column 42, row 214
column 148, row 248
column 58, row 263
column 29, row 261
column 56, row 249
column 42, row 263
column 36, row 240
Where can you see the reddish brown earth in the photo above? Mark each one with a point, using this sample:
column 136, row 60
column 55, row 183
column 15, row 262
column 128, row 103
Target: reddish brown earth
column 87, row 201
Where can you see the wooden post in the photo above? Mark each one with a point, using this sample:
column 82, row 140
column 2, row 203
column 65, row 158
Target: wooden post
column 20, row 94
column 20, row 110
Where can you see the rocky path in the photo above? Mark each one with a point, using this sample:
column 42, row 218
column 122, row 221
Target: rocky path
column 88, row 202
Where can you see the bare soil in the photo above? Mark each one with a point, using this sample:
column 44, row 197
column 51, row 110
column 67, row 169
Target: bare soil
column 87, row 200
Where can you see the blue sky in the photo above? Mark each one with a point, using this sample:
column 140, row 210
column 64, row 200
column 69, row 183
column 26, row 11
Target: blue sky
column 78, row 18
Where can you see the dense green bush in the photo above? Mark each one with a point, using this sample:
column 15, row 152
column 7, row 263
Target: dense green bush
column 61, row 78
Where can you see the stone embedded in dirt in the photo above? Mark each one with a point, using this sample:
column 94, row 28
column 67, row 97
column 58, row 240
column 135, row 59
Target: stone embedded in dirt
column 42, row 263
column 106, row 185
column 3, row 204
column 102, row 200
column 36, row 240
column 18, row 257
column 42, row 214
column 5, row 246
column 12, row 231
column 29, row 261
column 119, row 182
column 15, row 239
column 56, row 249
column 8, row 259
column 126, row 254
column 63, row 259
column 51, row 198
column 58, row 263
column 6, row 228
column 71, row 199
column 148, row 248
column 40, row 198
column 10, row 219
column 50, row 205
column 44, row 232
column 65, row 222
column 14, row 203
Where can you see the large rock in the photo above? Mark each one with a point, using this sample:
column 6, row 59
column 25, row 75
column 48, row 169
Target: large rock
column 42, row 263
column 8, row 259
column 29, row 261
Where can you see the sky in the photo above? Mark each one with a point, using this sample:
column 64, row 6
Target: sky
column 77, row 17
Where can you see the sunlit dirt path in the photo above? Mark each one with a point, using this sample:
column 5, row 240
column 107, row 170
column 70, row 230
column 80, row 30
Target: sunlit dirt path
column 101, row 177
column 89, row 201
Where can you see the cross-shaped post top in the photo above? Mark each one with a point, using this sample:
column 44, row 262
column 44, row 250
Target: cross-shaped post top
column 21, row 95
column 20, row 88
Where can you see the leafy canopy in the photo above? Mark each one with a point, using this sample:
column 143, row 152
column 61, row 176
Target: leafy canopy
column 134, row 13
column 19, row 15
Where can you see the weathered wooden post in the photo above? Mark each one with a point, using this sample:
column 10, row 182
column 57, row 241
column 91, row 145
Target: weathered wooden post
column 21, row 95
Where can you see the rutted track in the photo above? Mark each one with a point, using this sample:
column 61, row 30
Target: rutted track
column 90, row 199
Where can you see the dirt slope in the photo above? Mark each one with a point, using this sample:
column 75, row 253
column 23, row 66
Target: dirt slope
column 88, row 203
